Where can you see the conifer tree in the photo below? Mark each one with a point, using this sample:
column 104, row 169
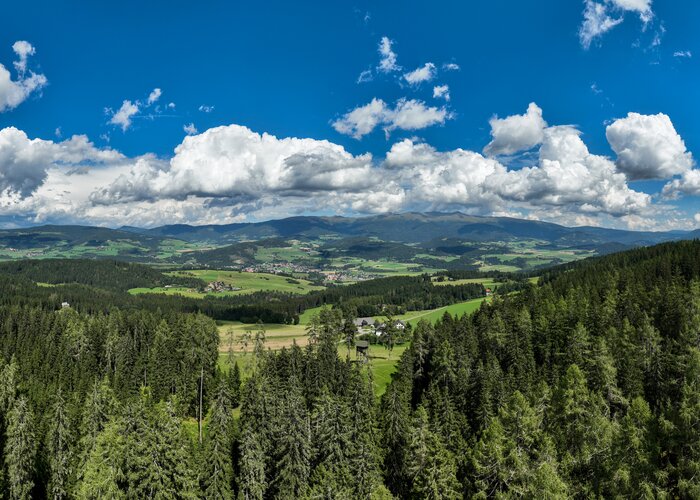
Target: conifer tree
column 20, row 450
column 431, row 466
column 294, row 450
column 252, row 481
column 218, row 474
column 60, row 449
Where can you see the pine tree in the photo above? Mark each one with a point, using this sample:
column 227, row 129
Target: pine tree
column 234, row 384
column 218, row 474
column 431, row 465
column 157, row 459
column 329, row 428
column 59, row 447
column 103, row 475
column 20, row 450
column 252, row 481
column 294, row 453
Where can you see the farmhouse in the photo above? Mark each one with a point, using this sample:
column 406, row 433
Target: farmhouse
column 362, row 322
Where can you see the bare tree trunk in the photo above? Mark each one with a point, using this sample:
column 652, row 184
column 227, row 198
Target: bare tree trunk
column 201, row 387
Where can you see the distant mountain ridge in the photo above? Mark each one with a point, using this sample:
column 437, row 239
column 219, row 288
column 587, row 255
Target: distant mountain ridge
column 404, row 234
column 412, row 228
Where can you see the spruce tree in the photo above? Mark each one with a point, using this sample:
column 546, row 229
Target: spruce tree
column 60, row 447
column 252, row 482
column 20, row 450
column 218, row 473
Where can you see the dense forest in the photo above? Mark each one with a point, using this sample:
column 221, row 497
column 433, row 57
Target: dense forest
column 586, row 385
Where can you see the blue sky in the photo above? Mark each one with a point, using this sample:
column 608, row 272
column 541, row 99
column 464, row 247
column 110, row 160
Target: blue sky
column 291, row 70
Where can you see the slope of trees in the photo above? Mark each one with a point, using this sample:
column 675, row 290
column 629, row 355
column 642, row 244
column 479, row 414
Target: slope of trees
column 585, row 386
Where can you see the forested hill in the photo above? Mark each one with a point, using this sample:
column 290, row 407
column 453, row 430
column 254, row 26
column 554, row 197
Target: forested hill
column 585, row 386
column 103, row 274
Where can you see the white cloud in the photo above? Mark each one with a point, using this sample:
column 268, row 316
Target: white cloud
column 683, row 54
column 171, row 105
column 234, row 162
column 642, row 7
column 568, row 175
column 648, row 147
column 450, row 67
column 231, row 173
column 387, row 61
column 688, row 184
column 23, row 49
column 15, row 92
column 24, row 162
column 516, row 133
column 422, row 74
column 361, row 120
column 154, row 96
column 596, row 22
column 407, row 114
column 122, row 117
column 566, row 178
column 365, row 76
column 190, row 129
column 206, row 109
column 598, row 18
column 441, row 92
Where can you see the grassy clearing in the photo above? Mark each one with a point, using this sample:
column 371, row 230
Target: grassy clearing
column 247, row 282
column 381, row 361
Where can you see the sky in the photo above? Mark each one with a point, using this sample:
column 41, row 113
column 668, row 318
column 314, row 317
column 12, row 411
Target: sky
column 152, row 113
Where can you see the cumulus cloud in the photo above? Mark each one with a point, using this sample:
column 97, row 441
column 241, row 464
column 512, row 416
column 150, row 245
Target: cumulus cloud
column 569, row 175
column 387, row 61
column 407, row 114
column 567, row 178
column 450, row 67
column 683, row 54
column 235, row 162
column 24, row 162
column 441, row 92
column 231, row 173
column 190, row 129
column 648, row 147
column 206, row 109
column 23, row 49
column 422, row 74
column 123, row 116
column 15, row 92
column 688, row 184
column 154, row 96
column 516, row 133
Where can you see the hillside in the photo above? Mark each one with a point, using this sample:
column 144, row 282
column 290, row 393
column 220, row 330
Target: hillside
column 409, row 228
column 348, row 248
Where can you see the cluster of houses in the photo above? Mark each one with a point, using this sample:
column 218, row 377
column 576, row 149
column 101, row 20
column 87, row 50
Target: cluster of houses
column 220, row 286
column 290, row 267
column 370, row 325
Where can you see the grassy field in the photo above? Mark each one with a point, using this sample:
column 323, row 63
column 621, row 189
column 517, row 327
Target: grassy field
column 488, row 283
column 247, row 282
column 381, row 361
